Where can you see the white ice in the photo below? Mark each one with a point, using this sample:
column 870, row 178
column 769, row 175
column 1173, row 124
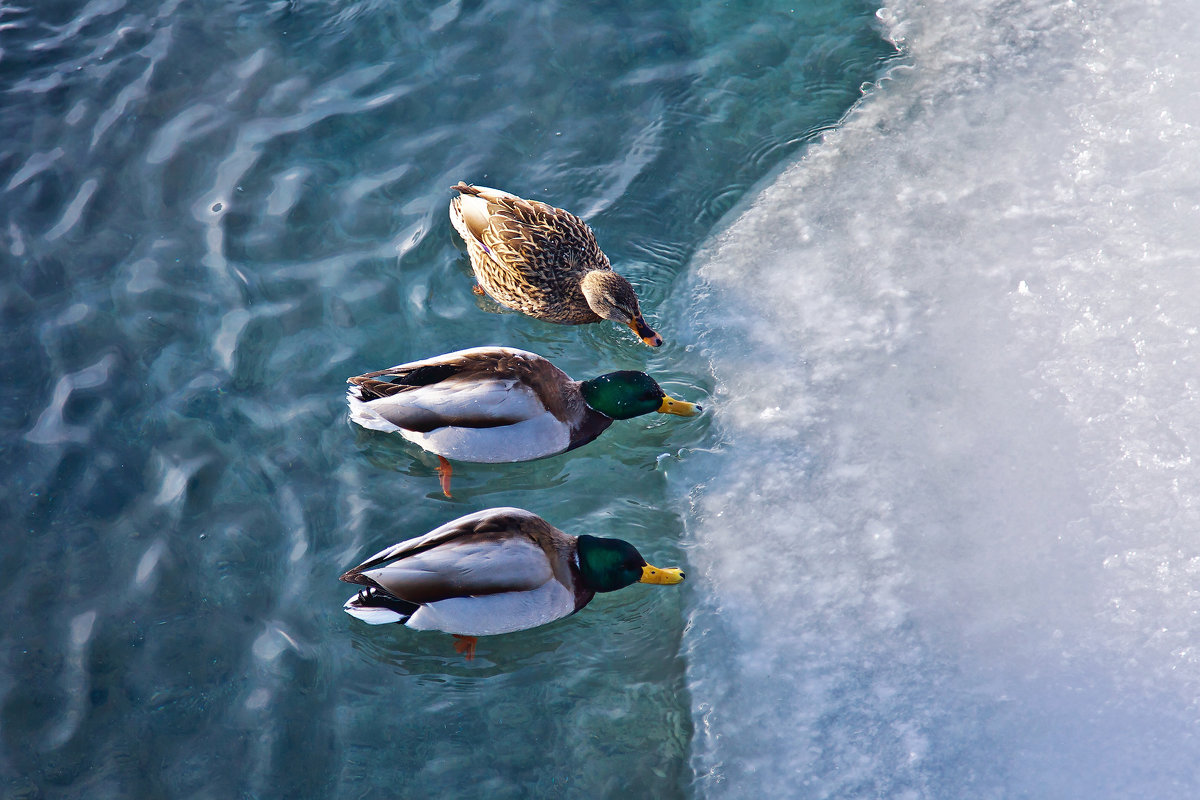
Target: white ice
column 951, row 546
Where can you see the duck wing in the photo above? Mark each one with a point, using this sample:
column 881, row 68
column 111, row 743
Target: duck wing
column 550, row 246
column 485, row 387
column 490, row 552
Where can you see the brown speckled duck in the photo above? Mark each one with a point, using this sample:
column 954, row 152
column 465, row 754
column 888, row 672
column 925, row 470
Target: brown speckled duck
column 542, row 261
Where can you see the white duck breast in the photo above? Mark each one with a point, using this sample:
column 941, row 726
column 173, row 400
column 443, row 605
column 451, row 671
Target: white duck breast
column 496, row 613
column 541, row 436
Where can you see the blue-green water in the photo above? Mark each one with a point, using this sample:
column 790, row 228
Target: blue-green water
column 215, row 213
column 939, row 522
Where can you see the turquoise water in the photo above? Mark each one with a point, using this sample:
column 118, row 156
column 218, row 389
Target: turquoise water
column 215, row 213
column 939, row 522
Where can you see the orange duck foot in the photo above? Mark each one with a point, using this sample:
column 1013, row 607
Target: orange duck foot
column 477, row 289
column 444, row 472
column 465, row 645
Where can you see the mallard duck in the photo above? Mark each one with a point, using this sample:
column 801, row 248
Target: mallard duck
column 542, row 261
column 494, row 571
column 499, row 404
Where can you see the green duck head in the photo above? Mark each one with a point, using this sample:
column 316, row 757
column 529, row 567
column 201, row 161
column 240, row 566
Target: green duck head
column 610, row 564
column 628, row 393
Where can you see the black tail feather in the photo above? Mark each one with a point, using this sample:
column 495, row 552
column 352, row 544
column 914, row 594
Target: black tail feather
column 373, row 597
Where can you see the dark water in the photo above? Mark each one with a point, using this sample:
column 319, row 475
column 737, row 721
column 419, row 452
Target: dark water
column 213, row 214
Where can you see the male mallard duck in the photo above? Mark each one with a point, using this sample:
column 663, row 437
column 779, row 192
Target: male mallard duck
column 542, row 261
column 498, row 404
column 494, row 571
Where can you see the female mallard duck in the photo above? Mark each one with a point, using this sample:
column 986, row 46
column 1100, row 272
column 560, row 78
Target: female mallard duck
column 542, row 261
column 494, row 571
column 498, row 404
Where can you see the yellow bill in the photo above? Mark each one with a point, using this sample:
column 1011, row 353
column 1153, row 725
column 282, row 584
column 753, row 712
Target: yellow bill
column 680, row 408
column 665, row 575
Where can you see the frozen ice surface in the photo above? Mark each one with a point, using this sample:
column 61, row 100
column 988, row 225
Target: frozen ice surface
column 951, row 544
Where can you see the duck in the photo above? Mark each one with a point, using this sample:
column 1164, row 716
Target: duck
column 542, row 261
column 492, row 572
column 500, row 404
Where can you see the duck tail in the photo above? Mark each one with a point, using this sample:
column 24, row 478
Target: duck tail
column 376, row 607
column 465, row 188
column 365, row 416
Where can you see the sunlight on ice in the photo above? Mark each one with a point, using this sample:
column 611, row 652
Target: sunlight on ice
column 951, row 543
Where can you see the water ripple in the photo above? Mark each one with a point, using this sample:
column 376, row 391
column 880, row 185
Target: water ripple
column 74, row 681
column 34, row 165
column 149, row 563
column 191, row 123
column 51, row 428
column 155, row 51
column 74, row 210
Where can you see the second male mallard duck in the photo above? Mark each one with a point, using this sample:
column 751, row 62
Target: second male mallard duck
column 542, row 261
column 499, row 404
column 495, row 571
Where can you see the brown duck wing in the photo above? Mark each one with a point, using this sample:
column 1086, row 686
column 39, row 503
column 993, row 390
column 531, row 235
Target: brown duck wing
column 477, row 388
column 463, row 364
column 551, row 247
column 528, row 255
column 489, row 552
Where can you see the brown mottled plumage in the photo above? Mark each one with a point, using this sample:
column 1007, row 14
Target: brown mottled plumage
column 542, row 261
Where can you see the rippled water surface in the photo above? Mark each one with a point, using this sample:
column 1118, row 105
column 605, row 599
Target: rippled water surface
column 213, row 214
